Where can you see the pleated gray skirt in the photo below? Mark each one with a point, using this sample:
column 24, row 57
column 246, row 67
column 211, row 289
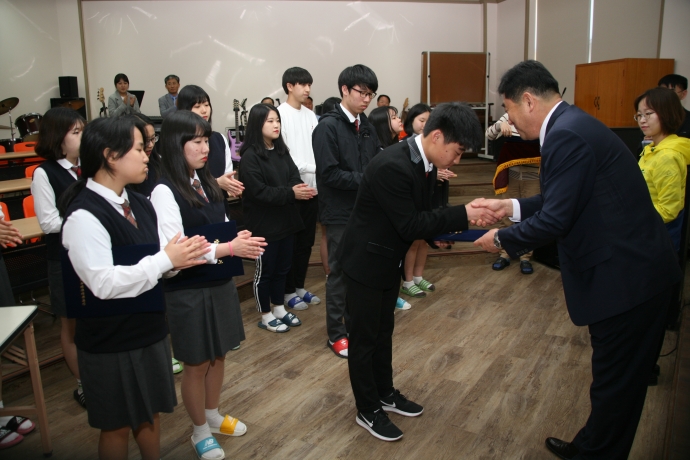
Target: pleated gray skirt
column 205, row 323
column 129, row 387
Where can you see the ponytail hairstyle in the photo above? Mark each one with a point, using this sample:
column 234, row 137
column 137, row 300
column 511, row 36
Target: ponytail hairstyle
column 114, row 134
column 55, row 125
column 253, row 135
column 179, row 128
column 191, row 95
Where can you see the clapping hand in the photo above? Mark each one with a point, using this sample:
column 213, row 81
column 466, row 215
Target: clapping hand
column 186, row 252
column 445, row 174
column 231, row 185
column 248, row 246
column 304, row 192
column 9, row 235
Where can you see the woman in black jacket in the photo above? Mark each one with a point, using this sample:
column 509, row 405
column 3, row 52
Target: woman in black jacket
column 271, row 185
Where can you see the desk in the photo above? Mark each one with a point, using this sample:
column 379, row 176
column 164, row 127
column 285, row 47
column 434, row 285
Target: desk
column 17, row 155
column 15, row 185
column 29, row 227
column 13, row 322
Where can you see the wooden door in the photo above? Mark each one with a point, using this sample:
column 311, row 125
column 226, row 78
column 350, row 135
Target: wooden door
column 586, row 80
column 609, row 92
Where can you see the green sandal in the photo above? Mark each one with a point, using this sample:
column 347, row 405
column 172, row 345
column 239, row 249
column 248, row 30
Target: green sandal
column 424, row 285
column 413, row 291
column 177, row 366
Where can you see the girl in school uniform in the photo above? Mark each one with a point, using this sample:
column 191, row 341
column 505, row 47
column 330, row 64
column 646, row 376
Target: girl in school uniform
column 124, row 357
column 195, row 99
column 58, row 142
column 150, row 141
column 203, row 312
column 272, row 184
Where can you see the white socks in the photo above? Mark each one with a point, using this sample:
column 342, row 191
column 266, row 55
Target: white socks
column 213, row 417
column 417, row 279
column 202, row 432
column 408, row 284
column 301, row 292
column 267, row 318
column 279, row 311
column 79, row 388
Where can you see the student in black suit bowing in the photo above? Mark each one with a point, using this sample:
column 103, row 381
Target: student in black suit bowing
column 617, row 262
column 392, row 210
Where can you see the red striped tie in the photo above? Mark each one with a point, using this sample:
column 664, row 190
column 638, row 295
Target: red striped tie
column 196, row 185
column 357, row 125
column 77, row 170
column 128, row 213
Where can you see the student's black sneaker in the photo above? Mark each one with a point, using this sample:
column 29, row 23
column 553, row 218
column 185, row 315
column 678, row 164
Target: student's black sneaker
column 80, row 398
column 401, row 405
column 379, row 425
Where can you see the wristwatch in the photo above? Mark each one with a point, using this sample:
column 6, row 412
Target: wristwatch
column 497, row 242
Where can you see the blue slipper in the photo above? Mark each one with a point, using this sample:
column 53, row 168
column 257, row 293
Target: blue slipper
column 291, row 320
column 500, row 263
column 274, row 326
column 206, row 445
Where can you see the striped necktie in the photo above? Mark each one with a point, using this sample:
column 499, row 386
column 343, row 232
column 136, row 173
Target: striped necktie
column 196, row 185
column 128, row 214
column 357, row 125
column 77, row 170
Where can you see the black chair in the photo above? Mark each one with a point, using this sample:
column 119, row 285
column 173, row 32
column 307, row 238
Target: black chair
column 28, row 270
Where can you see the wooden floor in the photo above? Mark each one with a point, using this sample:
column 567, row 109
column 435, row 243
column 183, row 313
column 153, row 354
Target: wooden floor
column 492, row 356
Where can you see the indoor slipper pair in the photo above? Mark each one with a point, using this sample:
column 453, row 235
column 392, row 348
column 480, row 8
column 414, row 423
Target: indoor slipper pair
column 206, row 445
column 230, row 427
column 15, row 424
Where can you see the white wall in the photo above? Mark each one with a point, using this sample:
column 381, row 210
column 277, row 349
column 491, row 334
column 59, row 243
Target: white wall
column 675, row 38
column 240, row 49
column 510, row 43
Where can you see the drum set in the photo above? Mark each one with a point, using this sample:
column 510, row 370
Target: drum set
column 28, row 125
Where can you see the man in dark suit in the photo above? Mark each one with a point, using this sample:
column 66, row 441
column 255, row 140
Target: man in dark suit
column 617, row 263
column 167, row 104
column 393, row 209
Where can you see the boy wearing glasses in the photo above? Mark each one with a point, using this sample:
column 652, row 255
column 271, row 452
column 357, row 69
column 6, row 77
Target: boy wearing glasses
column 679, row 84
column 344, row 143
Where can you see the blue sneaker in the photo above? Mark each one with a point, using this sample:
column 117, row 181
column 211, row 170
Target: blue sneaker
column 296, row 303
column 310, row 298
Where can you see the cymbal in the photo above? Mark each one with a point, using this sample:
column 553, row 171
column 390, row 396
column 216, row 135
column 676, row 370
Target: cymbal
column 76, row 105
column 8, row 104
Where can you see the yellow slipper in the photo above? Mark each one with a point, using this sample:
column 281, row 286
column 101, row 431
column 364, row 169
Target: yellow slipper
column 230, row 427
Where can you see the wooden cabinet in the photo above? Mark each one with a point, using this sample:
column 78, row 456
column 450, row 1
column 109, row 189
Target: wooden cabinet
column 607, row 90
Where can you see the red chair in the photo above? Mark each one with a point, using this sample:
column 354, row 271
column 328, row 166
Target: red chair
column 24, row 146
column 5, row 211
column 29, row 171
column 2, row 149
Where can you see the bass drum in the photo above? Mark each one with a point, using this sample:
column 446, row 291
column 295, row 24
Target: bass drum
column 8, row 144
column 28, row 126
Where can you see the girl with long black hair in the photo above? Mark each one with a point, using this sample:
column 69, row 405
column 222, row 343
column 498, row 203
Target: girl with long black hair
column 272, row 184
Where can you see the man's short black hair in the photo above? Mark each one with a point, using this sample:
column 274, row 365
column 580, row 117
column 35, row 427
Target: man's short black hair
column 674, row 80
column 358, row 75
column 309, row 97
column 295, row 75
column 458, row 124
column 171, row 77
column 383, row 95
column 528, row 76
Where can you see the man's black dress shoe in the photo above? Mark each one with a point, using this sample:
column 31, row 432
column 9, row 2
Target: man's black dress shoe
column 562, row 449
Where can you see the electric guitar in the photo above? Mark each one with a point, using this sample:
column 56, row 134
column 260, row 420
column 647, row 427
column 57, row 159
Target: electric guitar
column 104, row 109
column 238, row 137
column 244, row 114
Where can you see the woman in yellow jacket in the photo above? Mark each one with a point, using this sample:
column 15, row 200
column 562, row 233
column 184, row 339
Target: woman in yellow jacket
column 664, row 161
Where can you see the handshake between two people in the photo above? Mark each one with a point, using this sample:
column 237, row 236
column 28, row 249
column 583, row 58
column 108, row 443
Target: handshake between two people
column 483, row 212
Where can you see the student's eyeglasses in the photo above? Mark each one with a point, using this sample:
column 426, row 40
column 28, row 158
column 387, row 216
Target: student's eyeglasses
column 640, row 116
column 364, row 94
column 152, row 140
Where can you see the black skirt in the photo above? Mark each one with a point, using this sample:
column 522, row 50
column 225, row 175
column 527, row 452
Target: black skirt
column 127, row 388
column 205, row 323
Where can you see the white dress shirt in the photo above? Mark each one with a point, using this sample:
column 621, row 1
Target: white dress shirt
column 517, row 216
column 44, row 199
column 90, row 251
column 428, row 167
column 228, row 155
column 170, row 219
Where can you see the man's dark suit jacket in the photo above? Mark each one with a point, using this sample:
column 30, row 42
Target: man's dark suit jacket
column 613, row 248
column 392, row 210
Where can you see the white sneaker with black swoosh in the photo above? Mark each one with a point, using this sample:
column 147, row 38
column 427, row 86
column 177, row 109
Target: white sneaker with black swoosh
column 379, row 425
